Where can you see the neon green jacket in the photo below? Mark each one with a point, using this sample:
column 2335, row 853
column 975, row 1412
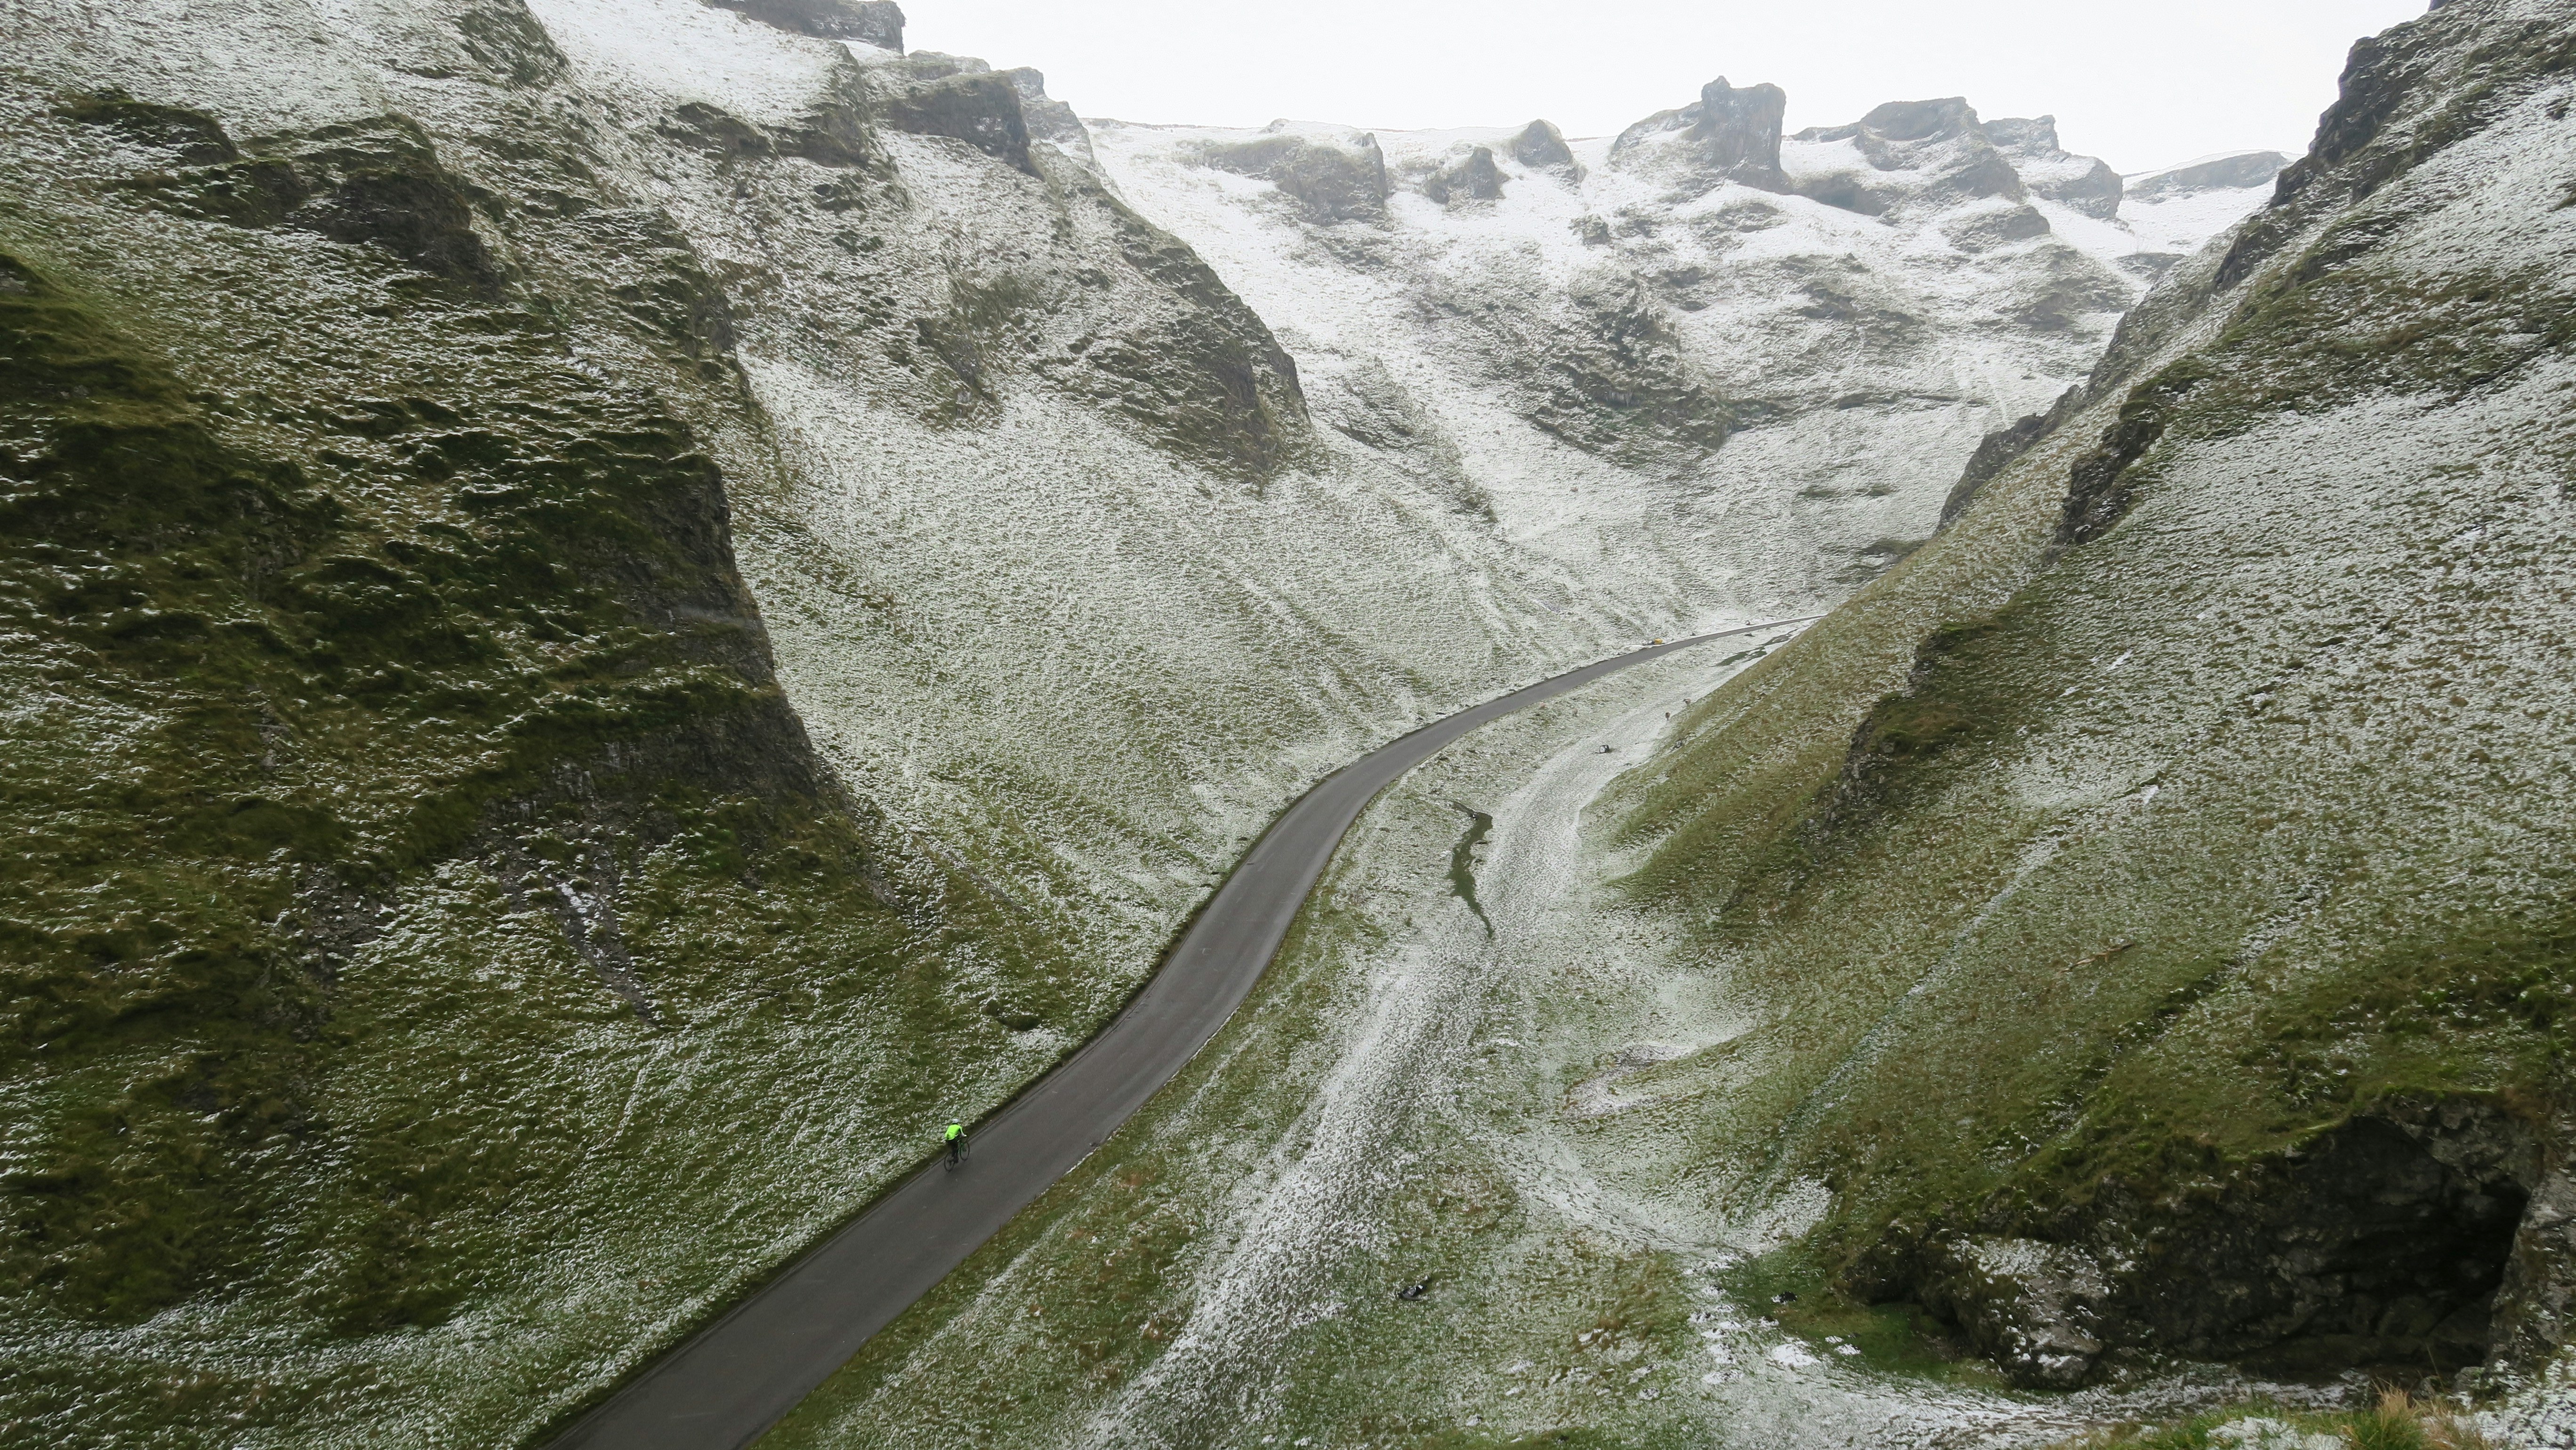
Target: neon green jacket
column 956, row 1131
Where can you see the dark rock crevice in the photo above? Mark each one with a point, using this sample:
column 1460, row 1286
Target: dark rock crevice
column 2398, row 1240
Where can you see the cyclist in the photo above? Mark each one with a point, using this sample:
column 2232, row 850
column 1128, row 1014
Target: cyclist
column 956, row 1143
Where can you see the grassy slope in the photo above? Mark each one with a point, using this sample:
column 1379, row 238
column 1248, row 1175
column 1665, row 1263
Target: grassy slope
column 437, row 968
column 2242, row 813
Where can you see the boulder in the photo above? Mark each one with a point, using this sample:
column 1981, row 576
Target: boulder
column 2033, row 1307
column 1475, row 177
column 1541, row 147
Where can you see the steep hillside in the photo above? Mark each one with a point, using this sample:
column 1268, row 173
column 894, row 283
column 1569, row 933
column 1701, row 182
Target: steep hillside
column 438, row 964
column 1699, row 352
column 2147, row 907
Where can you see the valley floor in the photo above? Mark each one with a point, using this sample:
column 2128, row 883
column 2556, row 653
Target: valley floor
column 1416, row 1194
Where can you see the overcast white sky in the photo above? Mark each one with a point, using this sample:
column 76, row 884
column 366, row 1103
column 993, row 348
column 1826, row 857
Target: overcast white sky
column 2141, row 83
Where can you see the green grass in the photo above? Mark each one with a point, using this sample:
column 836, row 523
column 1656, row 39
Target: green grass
column 322, row 1125
column 2043, row 871
column 1896, row 1338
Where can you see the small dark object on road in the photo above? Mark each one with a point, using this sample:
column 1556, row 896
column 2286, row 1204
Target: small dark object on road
column 1415, row 1291
column 1784, row 1298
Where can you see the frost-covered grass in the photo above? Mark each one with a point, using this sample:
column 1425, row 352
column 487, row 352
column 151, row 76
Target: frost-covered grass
column 438, row 974
column 1224, row 1267
column 1410, row 1102
column 2397, row 1421
column 384, row 1152
column 2021, row 871
column 2252, row 769
column 338, row 1117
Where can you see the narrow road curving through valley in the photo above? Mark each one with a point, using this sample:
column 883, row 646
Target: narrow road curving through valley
column 734, row 1379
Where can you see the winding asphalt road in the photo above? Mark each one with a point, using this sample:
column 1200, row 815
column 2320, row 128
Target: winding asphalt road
column 732, row 1381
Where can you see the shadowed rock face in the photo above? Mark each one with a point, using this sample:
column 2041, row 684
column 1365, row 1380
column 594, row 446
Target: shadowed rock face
column 1331, row 183
column 936, row 95
column 1542, row 146
column 2086, row 183
column 2380, row 1242
column 1728, row 135
column 877, row 22
column 1047, row 118
column 2246, row 168
column 1474, row 178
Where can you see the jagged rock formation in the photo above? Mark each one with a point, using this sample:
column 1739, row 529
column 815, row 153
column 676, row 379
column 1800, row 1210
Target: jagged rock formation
column 2192, row 796
column 2083, row 182
column 870, row 22
column 1332, row 176
column 1698, row 328
column 1726, row 135
column 1934, row 155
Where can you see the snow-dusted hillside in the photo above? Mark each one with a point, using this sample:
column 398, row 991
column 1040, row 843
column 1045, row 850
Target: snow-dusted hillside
column 1702, row 350
column 448, row 967
column 2118, row 967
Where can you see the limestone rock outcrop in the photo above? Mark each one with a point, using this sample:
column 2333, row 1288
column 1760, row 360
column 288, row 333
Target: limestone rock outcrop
column 870, row 22
column 1474, row 177
column 1333, row 176
column 1541, row 147
column 1824, row 326
column 2086, row 183
column 1912, row 157
column 2235, row 170
column 1726, row 135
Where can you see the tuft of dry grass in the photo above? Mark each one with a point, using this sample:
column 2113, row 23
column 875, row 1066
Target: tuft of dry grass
column 2397, row 1421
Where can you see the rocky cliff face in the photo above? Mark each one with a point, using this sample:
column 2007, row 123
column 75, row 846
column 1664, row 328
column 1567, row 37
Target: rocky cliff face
column 1671, row 348
column 2148, row 895
column 427, row 911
